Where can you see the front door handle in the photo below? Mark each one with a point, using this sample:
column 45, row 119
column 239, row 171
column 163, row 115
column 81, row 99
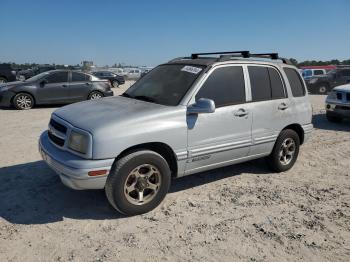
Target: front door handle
column 64, row 85
column 241, row 112
column 282, row 106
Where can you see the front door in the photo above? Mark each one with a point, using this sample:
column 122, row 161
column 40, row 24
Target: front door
column 54, row 88
column 219, row 138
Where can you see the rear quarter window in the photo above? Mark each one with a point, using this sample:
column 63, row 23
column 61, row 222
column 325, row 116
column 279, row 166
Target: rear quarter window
column 295, row 82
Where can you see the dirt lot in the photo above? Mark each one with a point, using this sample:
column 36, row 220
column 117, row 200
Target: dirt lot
column 238, row 213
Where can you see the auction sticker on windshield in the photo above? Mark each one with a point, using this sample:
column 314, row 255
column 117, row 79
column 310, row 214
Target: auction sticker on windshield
column 191, row 69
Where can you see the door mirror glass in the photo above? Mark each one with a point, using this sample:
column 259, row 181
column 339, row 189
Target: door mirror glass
column 203, row 105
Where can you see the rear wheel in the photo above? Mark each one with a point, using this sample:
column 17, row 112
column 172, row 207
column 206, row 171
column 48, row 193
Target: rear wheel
column 323, row 89
column 138, row 182
column 285, row 152
column 95, row 95
column 23, row 101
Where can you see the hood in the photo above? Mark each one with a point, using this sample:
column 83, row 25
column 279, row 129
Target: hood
column 345, row 88
column 12, row 84
column 106, row 112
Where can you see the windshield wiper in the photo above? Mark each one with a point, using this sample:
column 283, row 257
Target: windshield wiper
column 145, row 98
column 127, row 95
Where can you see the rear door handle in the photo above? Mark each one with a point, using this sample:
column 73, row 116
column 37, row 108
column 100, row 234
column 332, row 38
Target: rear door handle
column 282, row 106
column 64, row 85
column 241, row 112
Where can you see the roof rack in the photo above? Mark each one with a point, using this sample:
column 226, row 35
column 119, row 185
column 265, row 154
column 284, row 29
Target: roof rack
column 233, row 54
column 244, row 54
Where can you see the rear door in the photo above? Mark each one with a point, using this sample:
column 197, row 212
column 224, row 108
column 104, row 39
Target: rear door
column 79, row 86
column 221, row 137
column 270, row 107
column 55, row 90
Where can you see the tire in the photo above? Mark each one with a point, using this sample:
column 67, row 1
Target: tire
column 23, row 101
column 115, row 83
column 95, row 95
column 3, row 80
column 121, row 178
column 277, row 160
column 322, row 89
column 333, row 119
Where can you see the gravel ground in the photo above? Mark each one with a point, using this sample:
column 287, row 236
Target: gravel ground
column 237, row 213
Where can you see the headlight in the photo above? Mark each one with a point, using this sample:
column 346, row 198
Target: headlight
column 20, row 77
column 78, row 142
column 313, row 80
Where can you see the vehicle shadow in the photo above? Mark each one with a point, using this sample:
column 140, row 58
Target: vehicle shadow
column 320, row 122
column 32, row 193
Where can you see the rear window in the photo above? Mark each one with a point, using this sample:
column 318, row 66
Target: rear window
column 265, row 83
column 79, row 77
column 295, row 82
column 318, row 72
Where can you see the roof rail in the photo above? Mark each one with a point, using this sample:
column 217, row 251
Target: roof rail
column 232, row 54
column 273, row 56
column 244, row 54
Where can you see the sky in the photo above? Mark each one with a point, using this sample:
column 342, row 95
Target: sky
column 154, row 31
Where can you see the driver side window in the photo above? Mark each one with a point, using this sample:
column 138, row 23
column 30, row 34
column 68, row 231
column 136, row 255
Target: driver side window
column 225, row 86
column 57, row 77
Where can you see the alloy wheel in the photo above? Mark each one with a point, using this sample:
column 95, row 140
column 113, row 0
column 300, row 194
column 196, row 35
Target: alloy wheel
column 24, row 102
column 142, row 184
column 287, row 151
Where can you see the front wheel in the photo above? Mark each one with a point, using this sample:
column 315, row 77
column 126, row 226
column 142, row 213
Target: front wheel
column 138, row 182
column 115, row 83
column 285, row 152
column 23, row 101
column 3, row 80
column 95, row 95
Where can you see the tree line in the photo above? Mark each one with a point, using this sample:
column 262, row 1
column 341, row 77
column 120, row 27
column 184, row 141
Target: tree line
column 319, row 63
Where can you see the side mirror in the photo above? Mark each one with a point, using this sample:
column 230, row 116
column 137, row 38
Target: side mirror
column 203, row 105
column 43, row 83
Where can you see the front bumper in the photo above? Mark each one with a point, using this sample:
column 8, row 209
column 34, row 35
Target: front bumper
column 73, row 170
column 108, row 93
column 6, row 98
column 338, row 109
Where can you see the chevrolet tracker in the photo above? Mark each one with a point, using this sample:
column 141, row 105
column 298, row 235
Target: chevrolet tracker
column 186, row 116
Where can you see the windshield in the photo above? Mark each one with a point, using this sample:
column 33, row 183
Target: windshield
column 37, row 77
column 166, row 84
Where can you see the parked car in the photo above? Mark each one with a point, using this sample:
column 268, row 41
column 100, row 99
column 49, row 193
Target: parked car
column 185, row 116
column 325, row 83
column 53, row 87
column 308, row 73
column 133, row 73
column 7, row 73
column 25, row 74
column 145, row 72
column 338, row 104
column 114, row 79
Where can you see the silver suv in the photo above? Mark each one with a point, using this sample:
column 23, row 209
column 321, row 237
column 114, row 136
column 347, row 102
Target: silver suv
column 186, row 116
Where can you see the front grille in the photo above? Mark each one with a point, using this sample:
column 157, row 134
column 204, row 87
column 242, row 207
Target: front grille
column 348, row 96
column 58, row 141
column 339, row 96
column 58, row 126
